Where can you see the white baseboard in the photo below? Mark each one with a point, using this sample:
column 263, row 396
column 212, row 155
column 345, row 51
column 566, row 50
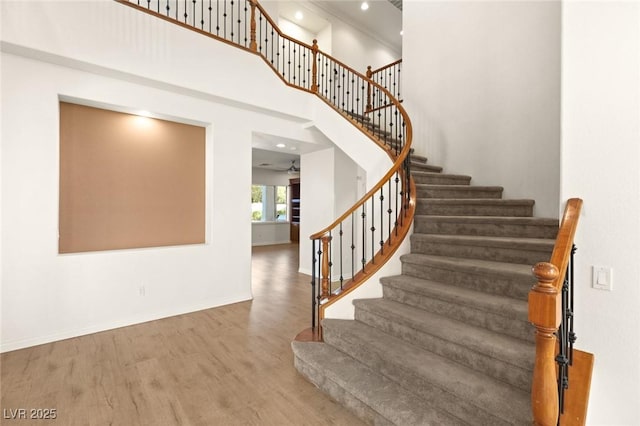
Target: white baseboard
column 270, row 243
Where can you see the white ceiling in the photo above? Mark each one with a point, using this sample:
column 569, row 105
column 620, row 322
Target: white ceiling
column 382, row 21
column 273, row 160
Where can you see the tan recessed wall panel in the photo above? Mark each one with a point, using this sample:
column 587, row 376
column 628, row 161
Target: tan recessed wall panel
column 128, row 181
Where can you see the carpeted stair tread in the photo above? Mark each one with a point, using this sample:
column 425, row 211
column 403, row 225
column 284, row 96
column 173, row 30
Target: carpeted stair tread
column 434, row 178
column 508, row 307
column 473, row 207
column 508, row 279
column 454, row 388
column 494, row 312
column 504, row 249
column 487, row 266
column 458, row 191
column 500, row 356
column 425, row 168
column 505, row 226
column 541, row 244
column 362, row 389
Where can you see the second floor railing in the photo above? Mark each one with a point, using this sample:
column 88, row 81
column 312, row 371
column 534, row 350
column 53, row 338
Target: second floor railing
column 388, row 77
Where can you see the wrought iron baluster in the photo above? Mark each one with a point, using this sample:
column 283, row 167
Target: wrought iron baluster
column 202, row 14
column 381, row 220
column 313, row 283
column 330, row 260
column 572, row 334
column 389, row 210
column 353, row 245
column 364, row 233
column 224, row 19
column 373, row 228
column 217, row 17
column 341, row 257
column 565, row 334
column 397, row 180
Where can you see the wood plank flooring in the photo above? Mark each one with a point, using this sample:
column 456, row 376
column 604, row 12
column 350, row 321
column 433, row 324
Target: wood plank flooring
column 224, row 366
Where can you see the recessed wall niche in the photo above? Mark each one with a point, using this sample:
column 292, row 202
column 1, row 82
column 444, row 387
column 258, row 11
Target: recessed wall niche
column 128, row 181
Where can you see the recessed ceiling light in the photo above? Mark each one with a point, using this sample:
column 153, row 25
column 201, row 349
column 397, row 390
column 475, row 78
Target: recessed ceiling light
column 401, row 32
column 281, row 145
column 299, row 15
column 364, row 5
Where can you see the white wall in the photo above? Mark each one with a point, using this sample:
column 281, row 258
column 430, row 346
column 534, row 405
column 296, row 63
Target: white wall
column 324, row 38
column 345, row 183
column 357, row 49
column 46, row 296
column 270, row 233
column 120, row 41
column 481, row 85
column 296, row 31
column 601, row 165
column 316, row 200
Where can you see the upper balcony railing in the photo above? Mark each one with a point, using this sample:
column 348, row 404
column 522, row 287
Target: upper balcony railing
column 388, row 77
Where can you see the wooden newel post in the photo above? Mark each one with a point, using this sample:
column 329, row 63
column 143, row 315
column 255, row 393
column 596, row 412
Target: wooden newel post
column 325, row 267
column 369, row 75
column 314, row 67
column 252, row 44
column 545, row 310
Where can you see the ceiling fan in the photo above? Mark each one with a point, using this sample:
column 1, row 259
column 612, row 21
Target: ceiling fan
column 292, row 169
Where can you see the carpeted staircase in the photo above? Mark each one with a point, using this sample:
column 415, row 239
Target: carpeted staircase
column 449, row 343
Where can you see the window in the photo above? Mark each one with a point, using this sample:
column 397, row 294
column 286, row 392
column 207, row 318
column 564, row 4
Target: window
column 269, row 203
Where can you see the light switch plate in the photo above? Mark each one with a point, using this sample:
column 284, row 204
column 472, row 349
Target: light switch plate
column 601, row 278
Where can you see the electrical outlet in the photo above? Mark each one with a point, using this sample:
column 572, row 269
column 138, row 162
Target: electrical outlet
column 142, row 290
column 601, row 278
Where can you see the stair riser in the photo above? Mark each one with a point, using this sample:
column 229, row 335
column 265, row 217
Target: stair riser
column 419, row 159
column 456, row 351
column 427, row 225
column 511, row 286
column 426, row 168
column 499, row 254
column 447, row 402
column 456, row 193
column 440, row 209
column 519, row 328
column 440, row 179
column 339, row 394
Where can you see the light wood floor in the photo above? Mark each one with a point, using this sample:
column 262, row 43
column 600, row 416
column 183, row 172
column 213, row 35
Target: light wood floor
column 225, row 366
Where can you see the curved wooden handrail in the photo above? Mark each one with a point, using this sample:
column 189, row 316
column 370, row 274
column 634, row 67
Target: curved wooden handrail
column 564, row 241
column 545, row 314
